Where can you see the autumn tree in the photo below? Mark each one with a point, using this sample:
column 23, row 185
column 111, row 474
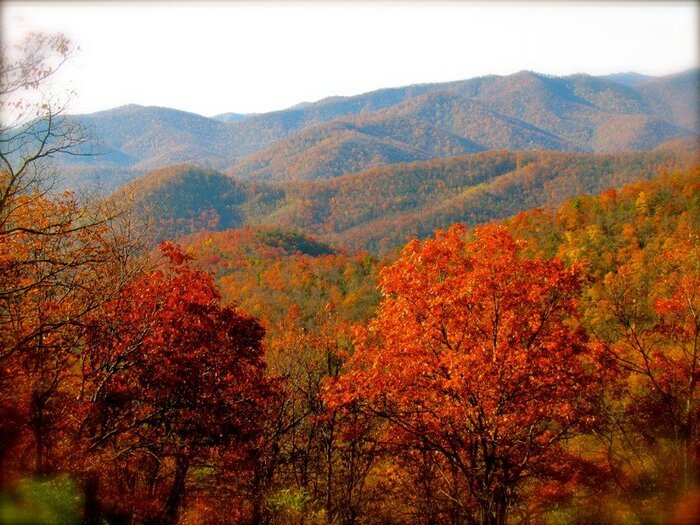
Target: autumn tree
column 327, row 454
column 637, row 245
column 60, row 257
column 34, row 129
column 475, row 358
column 313, row 462
column 27, row 140
column 175, row 390
column 647, row 315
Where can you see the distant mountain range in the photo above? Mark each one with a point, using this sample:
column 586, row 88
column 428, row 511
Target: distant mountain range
column 627, row 79
column 230, row 117
column 383, row 206
column 341, row 135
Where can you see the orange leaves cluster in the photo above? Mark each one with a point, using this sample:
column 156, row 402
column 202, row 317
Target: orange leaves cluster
column 474, row 354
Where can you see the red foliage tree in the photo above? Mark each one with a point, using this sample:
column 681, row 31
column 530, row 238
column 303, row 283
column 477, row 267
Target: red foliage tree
column 475, row 357
column 176, row 385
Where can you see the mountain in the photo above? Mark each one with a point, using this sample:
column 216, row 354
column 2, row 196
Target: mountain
column 568, row 107
column 675, row 98
column 578, row 109
column 629, row 78
column 525, row 111
column 230, row 117
column 333, row 149
column 186, row 198
column 383, row 206
column 339, row 135
column 438, row 124
column 685, row 146
column 148, row 137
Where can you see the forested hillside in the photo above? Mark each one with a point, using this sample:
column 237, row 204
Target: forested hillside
column 332, row 150
column 149, row 137
column 383, row 207
column 355, row 429
column 374, row 318
column 635, row 251
column 674, row 96
column 542, row 367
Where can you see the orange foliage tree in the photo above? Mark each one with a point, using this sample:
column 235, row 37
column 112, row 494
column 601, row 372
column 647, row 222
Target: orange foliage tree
column 60, row 259
column 476, row 359
column 647, row 315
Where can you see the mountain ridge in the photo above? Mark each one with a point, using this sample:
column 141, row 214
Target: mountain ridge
column 523, row 111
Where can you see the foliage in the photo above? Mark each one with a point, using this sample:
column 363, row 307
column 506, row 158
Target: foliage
column 383, row 207
column 174, row 377
column 544, row 370
column 469, row 346
column 499, row 377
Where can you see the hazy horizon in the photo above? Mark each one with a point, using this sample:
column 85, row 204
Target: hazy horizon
column 212, row 58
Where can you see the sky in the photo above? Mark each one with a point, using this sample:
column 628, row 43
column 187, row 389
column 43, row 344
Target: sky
column 216, row 57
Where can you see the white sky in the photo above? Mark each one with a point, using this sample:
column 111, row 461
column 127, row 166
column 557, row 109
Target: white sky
column 232, row 56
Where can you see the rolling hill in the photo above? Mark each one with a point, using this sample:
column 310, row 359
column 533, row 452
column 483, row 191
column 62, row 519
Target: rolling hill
column 333, row 149
column 148, row 137
column 383, row 206
column 675, row 97
column 339, row 135
column 230, row 117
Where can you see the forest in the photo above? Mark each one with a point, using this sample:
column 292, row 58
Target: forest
column 531, row 367
column 383, row 207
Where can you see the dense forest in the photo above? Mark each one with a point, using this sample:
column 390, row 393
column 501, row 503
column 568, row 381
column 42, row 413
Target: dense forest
column 517, row 342
column 383, row 207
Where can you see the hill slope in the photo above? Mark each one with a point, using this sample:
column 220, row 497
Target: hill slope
column 149, row 137
column 383, row 206
column 675, row 98
column 343, row 134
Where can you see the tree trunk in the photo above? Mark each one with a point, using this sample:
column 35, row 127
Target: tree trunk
column 91, row 505
column 171, row 510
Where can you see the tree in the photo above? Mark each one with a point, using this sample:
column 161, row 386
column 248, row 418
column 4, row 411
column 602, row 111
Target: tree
column 475, row 358
column 647, row 316
column 174, row 391
column 60, row 257
column 639, row 247
column 33, row 126
column 327, row 454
